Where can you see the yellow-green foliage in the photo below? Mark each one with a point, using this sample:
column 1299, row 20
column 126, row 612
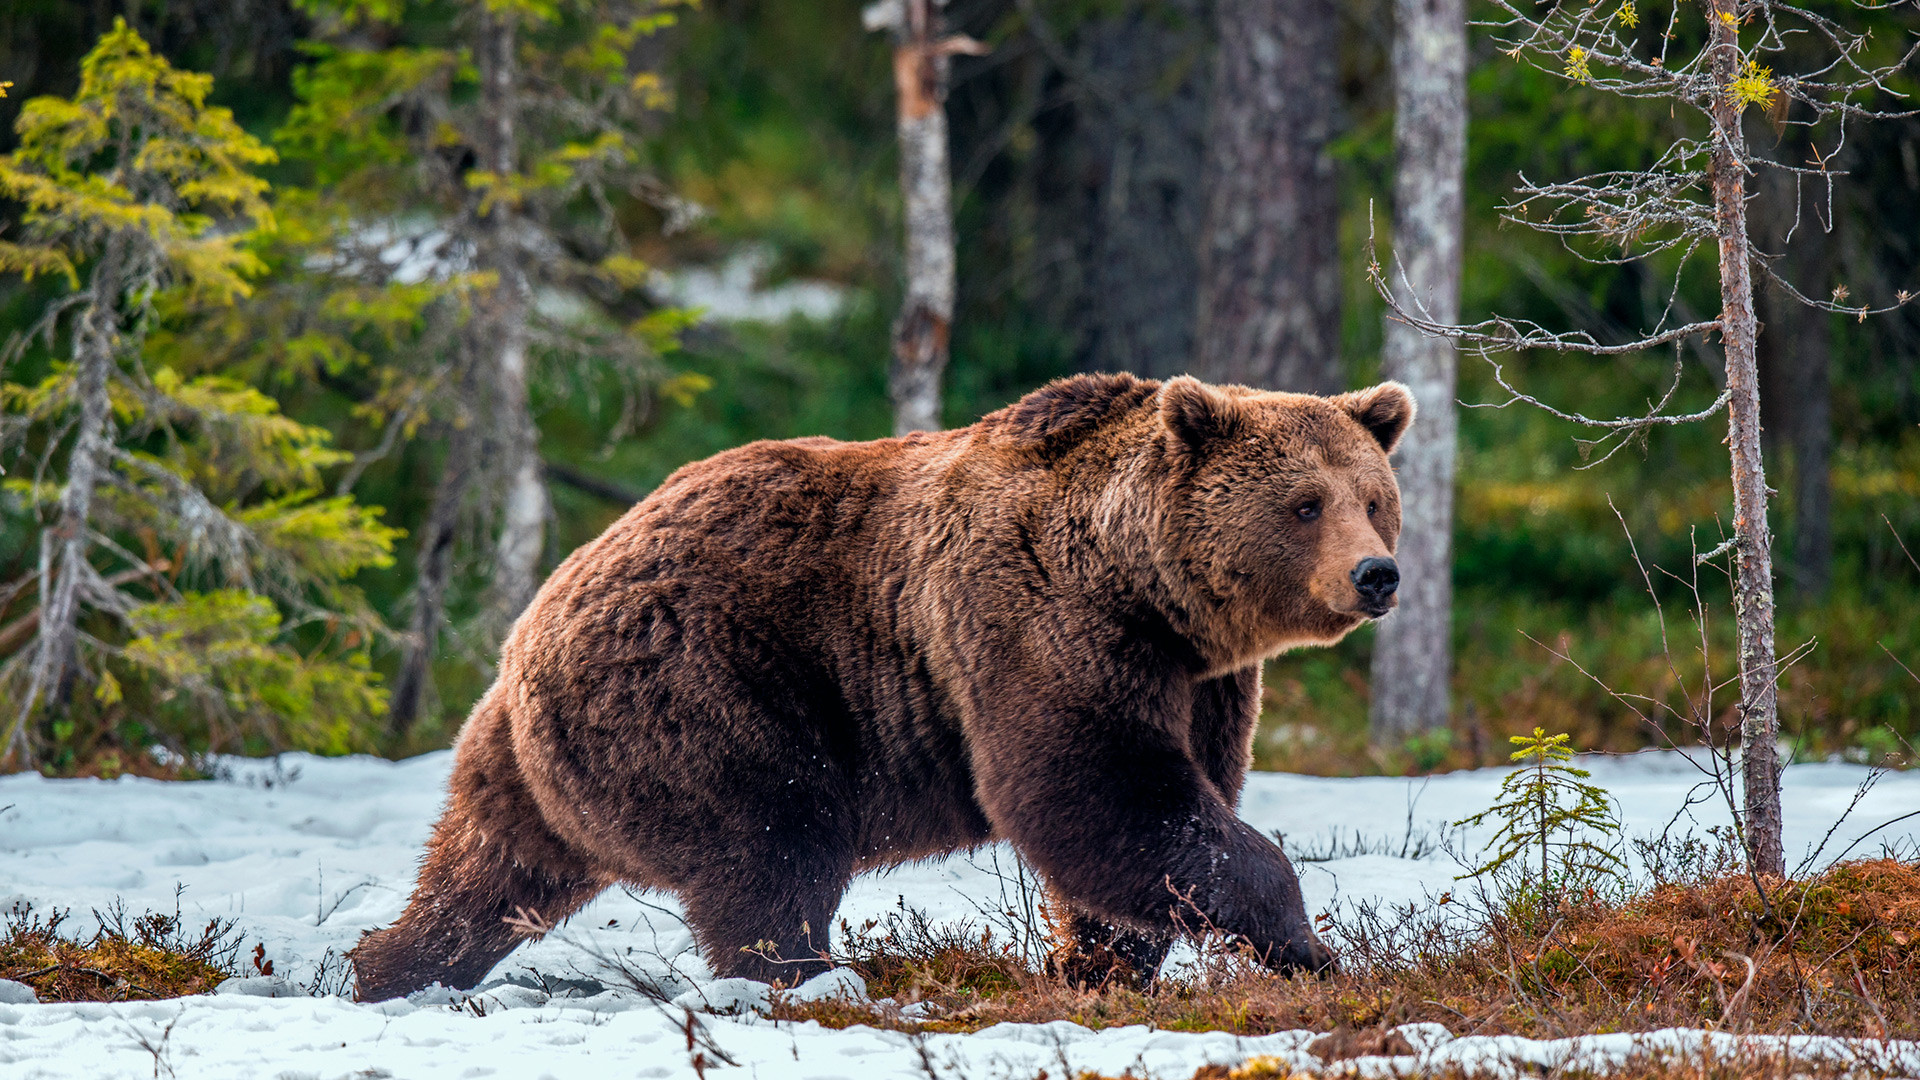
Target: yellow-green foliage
column 172, row 165
column 1548, row 806
column 222, row 615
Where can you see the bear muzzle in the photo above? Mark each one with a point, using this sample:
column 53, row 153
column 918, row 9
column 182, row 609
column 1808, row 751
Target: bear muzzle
column 1376, row 580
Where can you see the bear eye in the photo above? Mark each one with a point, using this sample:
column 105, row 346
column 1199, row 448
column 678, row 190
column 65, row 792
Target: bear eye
column 1371, row 507
column 1309, row 510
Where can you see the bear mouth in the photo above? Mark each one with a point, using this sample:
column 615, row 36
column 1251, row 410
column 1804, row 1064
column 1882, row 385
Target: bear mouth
column 1376, row 610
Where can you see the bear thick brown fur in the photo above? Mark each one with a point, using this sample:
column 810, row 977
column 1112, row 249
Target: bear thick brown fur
column 798, row 661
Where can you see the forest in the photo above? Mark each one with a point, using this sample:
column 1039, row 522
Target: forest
column 330, row 328
column 420, row 296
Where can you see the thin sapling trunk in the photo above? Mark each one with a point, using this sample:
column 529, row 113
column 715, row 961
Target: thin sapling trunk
column 1752, row 540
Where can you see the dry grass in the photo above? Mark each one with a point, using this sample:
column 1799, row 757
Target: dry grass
column 152, row 956
column 1745, row 1066
column 1837, row 954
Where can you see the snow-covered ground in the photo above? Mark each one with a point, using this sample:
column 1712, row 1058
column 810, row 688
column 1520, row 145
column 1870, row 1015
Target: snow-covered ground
column 306, row 853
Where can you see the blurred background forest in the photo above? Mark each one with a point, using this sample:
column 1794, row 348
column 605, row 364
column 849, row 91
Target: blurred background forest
column 735, row 276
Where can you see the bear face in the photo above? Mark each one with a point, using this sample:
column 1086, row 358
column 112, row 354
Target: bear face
column 1285, row 510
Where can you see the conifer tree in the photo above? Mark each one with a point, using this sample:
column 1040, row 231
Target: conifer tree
column 184, row 553
column 464, row 237
column 1549, row 806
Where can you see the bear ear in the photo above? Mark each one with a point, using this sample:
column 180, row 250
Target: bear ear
column 1197, row 413
column 1386, row 411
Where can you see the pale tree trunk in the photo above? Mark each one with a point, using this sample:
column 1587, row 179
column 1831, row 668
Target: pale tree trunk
column 1413, row 652
column 922, row 330
column 1753, row 543
column 64, row 570
column 524, row 504
column 1269, row 304
column 433, row 573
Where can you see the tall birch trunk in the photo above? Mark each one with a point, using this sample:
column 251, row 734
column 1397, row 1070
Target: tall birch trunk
column 525, row 504
column 1413, row 652
column 1753, row 543
column 1269, row 304
column 922, row 330
column 64, row 570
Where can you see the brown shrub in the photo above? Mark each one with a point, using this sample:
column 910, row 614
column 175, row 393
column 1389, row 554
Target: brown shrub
column 154, row 957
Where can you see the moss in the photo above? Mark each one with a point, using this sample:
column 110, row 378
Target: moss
column 150, row 957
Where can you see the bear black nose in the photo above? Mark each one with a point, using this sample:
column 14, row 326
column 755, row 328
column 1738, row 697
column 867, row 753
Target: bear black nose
column 1375, row 579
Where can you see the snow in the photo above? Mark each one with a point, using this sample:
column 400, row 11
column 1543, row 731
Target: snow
column 735, row 290
column 306, row 852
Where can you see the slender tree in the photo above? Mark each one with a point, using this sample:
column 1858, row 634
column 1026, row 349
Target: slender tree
column 1269, row 304
column 1696, row 194
column 459, row 176
column 179, row 513
column 1413, row 650
column 922, row 332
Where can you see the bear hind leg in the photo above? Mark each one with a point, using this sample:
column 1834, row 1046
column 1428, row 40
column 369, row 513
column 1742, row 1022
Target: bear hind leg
column 491, row 858
column 456, row 927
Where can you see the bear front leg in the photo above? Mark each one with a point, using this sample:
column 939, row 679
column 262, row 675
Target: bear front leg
column 1092, row 953
column 1116, row 814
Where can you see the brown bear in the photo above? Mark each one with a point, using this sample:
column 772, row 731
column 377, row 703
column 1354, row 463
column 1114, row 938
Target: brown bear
column 798, row 661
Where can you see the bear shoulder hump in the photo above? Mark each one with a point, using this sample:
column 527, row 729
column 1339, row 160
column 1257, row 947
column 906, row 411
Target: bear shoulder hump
column 1067, row 410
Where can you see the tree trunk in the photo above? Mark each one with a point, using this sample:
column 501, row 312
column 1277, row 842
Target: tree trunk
column 1118, row 197
column 525, row 504
column 1413, row 651
column 1795, row 351
column 1269, row 304
column 1753, row 584
column 433, row 573
column 64, row 570
column 921, row 333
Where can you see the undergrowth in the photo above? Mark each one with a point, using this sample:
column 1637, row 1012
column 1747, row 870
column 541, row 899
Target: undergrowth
column 143, row 957
column 1838, row 953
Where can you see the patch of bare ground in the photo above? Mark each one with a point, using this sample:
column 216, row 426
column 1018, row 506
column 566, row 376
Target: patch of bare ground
column 1836, row 954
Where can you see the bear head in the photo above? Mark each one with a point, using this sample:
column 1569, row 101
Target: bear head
column 1281, row 511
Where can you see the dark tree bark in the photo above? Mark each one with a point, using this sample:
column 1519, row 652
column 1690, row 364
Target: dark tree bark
column 1269, row 303
column 1413, row 651
column 1122, row 134
column 1795, row 355
column 433, row 574
column 1753, row 540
